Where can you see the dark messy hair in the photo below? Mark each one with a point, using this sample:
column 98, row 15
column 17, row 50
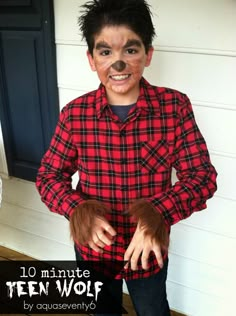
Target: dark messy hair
column 135, row 14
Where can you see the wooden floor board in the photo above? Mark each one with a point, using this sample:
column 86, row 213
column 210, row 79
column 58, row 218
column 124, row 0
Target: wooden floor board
column 8, row 254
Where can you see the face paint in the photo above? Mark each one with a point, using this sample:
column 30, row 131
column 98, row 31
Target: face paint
column 119, row 65
column 122, row 78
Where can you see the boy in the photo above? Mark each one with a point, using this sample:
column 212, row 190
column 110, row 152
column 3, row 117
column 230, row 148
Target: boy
column 124, row 139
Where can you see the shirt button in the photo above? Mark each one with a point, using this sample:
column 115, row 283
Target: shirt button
column 123, row 161
column 122, row 133
column 124, row 188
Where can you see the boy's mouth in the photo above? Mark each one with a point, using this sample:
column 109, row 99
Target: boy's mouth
column 119, row 77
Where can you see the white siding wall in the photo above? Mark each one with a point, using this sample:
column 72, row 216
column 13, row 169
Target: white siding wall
column 195, row 52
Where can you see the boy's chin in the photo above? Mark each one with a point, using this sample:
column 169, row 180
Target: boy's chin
column 124, row 87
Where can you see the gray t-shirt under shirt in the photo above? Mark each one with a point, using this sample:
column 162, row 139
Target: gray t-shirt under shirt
column 121, row 110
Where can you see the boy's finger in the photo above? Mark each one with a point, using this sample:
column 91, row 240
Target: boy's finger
column 159, row 257
column 109, row 236
column 126, row 265
column 109, row 229
column 134, row 259
column 98, row 241
column 128, row 255
column 144, row 259
column 103, row 238
column 93, row 246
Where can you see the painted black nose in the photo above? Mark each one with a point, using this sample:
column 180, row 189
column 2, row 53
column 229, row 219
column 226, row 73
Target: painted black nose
column 119, row 65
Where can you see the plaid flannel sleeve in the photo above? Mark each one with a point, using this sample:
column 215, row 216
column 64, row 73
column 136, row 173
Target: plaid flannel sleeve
column 54, row 181
column 196, row 175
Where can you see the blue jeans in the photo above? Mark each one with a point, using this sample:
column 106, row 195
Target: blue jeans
column 147, row 294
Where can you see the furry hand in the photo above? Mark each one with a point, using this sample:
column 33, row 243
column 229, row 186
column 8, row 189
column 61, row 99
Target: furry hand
column 88, row 225
column 151, row 235
column 150, row 221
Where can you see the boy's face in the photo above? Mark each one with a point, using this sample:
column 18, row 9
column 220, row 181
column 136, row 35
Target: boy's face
column 119, row 58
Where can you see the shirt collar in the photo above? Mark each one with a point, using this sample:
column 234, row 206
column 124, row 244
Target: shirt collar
column 101, row 102
column 147, row 102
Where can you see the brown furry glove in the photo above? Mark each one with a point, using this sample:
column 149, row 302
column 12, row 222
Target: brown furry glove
column 82, row 220
column 151, row 221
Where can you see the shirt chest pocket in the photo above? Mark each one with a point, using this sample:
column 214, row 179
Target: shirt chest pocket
column 154, row 156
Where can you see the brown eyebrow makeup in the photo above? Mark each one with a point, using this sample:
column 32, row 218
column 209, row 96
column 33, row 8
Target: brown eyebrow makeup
column 130, row 42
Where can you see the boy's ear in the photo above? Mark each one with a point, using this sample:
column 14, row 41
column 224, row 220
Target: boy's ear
column 91, row 61
column 149, row 56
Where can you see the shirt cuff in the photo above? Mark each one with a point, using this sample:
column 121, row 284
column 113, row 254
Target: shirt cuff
column 164, row 205
column 69, row 205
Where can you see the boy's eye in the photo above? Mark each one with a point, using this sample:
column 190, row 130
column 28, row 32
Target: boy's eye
column 131, row 51
column 105, row 52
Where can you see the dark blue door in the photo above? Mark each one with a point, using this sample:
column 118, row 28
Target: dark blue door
column 28, row 86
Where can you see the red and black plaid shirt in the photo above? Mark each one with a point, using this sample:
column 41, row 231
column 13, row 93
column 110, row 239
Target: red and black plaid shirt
column 119, row 162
